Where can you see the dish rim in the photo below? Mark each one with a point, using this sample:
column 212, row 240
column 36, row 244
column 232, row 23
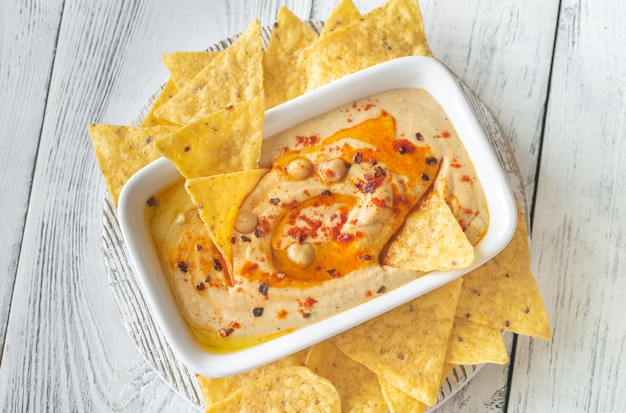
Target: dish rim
column 408, row 72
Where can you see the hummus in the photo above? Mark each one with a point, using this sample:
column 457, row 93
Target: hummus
column 308, row 239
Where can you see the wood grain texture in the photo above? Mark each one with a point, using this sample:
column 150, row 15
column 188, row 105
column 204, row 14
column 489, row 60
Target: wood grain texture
column 65, row 64
column 27, row 42
column 579, row 229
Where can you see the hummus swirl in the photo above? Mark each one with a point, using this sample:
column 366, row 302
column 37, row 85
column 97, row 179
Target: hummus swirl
column 338, row 189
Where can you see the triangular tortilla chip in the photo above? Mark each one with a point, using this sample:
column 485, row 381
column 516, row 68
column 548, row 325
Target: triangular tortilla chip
column 344, row 14
column 218, row 198
column 431, row 240
column 233, row 76
column 393, row 30
column 472, row 343
column 168, row 91
column 503, row 292
column 226, row 141
column 357, row 385
column 292, row 389
column 123, row 150
column 216, row 389
column 407, row 345
column 184, row 66
column 284, row 73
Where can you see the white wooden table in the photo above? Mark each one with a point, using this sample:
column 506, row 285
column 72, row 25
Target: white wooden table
column 552, row 72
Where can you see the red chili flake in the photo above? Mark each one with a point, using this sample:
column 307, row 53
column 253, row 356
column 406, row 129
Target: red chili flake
column 333, row 273
column 365, row 257
column 419, row 136
column 245, row 239
column 344, row 237
column 326, row 192
column 308, row 303
column 382, row 289
column 445, row 134
column 431, row 161
column 368, row 293
column 152, row 202
column 306, row 192
column 299, row 234
column 465, row 178
column 379, row 202
column 357, row 158
column 307, row 140
column 257, row 312
column 275, row 201
column 217, row 265
column 263, row 287
column 259, row 233
column 454, row 164
column 200, row 286
column 372, row 181
column 368, row 106
column 182, row 266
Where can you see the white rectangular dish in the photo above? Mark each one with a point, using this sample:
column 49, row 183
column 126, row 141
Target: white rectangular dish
column 410, row 72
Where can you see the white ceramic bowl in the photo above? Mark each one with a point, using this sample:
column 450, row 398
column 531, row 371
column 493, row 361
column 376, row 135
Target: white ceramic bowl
column 409, row 72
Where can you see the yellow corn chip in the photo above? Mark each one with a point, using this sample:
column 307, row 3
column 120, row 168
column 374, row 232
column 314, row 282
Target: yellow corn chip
column 168, row 91
column 218, row 198
column 216, row 389
column 231, row 77
column 503, row 293
column 357, row 385
column 226, row 141
column 393, row 30
column 472, row 343
column 407, row 345
column 292, row 389
column 184, row 66
column 284, row 72
column 399, row 401
column 430, row 240
column 344, row 14
column 123, row 150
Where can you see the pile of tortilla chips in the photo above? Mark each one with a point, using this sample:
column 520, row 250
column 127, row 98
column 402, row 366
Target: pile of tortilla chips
column 208, row 120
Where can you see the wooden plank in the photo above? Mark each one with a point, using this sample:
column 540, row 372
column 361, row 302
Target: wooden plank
column 27, row 44
column 489, row 45
column 579, row 227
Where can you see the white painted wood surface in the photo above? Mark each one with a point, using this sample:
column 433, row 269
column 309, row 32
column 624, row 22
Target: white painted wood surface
column 552, row 72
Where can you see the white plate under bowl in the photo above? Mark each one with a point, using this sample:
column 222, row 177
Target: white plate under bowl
column 409, row 72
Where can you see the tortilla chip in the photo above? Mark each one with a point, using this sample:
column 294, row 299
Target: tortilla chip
column 168, row 91
column 123, row 150
column 503, row 292
column 217, row 389
column 407, row 345
column 284, row 74
column 393, row 30
column 226, row 141
column 344, row 14
column 357, row 385
column 233, row 76
column 218, row 198
column 184, row 66
column 430, row 240
column 471, row 343
column 292, row 389
column 399, row 401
